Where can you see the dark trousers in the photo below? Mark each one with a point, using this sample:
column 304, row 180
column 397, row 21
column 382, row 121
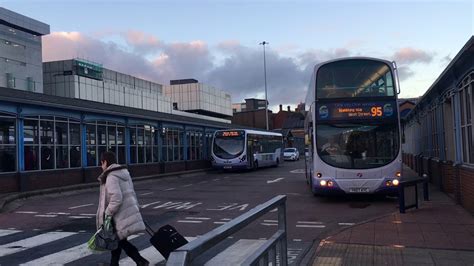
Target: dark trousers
column 130, row 250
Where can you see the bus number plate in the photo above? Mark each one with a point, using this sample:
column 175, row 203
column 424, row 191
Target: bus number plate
column 227, row 166
column 359, row 190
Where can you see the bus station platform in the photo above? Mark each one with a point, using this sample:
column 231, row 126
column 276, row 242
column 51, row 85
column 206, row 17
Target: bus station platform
column 440, row 232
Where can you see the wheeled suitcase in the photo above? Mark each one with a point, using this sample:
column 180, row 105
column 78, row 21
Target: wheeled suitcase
column 166, row 239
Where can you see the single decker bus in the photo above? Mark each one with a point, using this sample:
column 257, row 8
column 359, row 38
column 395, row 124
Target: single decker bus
column 246, row 149
column 352, row 128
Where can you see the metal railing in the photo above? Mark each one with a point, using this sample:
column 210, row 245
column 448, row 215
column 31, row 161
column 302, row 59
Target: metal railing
column 273, row 250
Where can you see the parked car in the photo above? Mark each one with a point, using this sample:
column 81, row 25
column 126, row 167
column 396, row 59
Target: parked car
column 291, row 154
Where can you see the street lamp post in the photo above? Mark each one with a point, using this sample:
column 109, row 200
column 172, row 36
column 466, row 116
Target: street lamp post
column 265, row 75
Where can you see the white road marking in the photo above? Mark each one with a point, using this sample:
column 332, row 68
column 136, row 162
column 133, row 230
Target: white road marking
column 267, row 224
column 198, row 218
column 58, row 213
column 226, row 177
column 274, row 210
column 80, row 206
column 308, row 222
column 189, row 221
column 310, row 226
column 88, row 214
column 226, row 219
column 30, row 242
column 220, row 222
column 81, row 231
column 346, row 223
column 237, row 253
column 11, row 228
column 146, row 205
column 297, row 240
column 217, row 179
column 230, row 206
column 262, row 238
column 79, row 217
column 297, row 171
column 148, row 193
column 36, row 229
column 8, row 232
column 178, row 205
column 66, row 256
column 46, row 215
column 188, row 185
column 150, row 254
column 270, row 221
column 26, row 212
column 275, row 180
column 169, row 189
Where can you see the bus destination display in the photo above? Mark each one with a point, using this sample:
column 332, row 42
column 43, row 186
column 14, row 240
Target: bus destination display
column 356, row 110
column 230, row 133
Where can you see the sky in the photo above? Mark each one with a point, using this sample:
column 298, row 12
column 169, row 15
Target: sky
column 217, row 42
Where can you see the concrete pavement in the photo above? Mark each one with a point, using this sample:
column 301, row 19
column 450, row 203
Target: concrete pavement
column 439, row 233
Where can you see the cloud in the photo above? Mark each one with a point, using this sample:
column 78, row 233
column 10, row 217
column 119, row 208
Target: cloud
column 405, row 72
column 229, row 65
column 142, row 43
column 67, row 45
column 410, row 55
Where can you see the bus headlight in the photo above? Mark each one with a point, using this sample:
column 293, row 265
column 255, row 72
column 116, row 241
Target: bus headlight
column 398, row 174
column 330, row 183
column 393, row 182
column 323, row 183
column 319, row 175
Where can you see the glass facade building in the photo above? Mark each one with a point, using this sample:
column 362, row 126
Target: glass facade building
column 42, row 136
column 20, row 51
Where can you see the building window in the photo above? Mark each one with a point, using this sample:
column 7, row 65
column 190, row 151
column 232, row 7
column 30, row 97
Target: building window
column 7, row 144
column 12, row 44
column 467, row 100
column 102, row 136
column 209, row 136
column 51, row 143
column 195, row 145
column 143, row 144
column 173, row 149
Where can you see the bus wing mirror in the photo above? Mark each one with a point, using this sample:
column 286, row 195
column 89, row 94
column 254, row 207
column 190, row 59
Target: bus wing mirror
column 397, row 80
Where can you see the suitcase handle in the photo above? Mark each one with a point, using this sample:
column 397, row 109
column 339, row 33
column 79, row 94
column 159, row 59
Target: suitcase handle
column 148, row 228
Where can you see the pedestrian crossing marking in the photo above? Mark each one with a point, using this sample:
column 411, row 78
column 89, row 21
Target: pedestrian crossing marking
column 8, row 232
column 66, row 256
column 237, row 253
column 31, row 242
column 150, row 254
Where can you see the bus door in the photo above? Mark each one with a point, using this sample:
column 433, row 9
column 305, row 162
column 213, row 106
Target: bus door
column 250, row 152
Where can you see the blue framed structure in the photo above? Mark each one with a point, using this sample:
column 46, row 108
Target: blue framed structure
column 51, row 140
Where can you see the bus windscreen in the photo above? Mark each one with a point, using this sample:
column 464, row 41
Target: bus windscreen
column 229, row 144
column 354, row 79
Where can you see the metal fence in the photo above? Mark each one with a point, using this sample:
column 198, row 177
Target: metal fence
column 273, row 251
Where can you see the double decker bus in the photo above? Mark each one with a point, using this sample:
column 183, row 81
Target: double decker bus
column 352, row 129
column 246, row 149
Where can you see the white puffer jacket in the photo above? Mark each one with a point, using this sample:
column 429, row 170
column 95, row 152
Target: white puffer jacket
column 118, row 199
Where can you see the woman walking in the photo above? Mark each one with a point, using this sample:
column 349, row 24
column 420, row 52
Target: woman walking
column 118, row 205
